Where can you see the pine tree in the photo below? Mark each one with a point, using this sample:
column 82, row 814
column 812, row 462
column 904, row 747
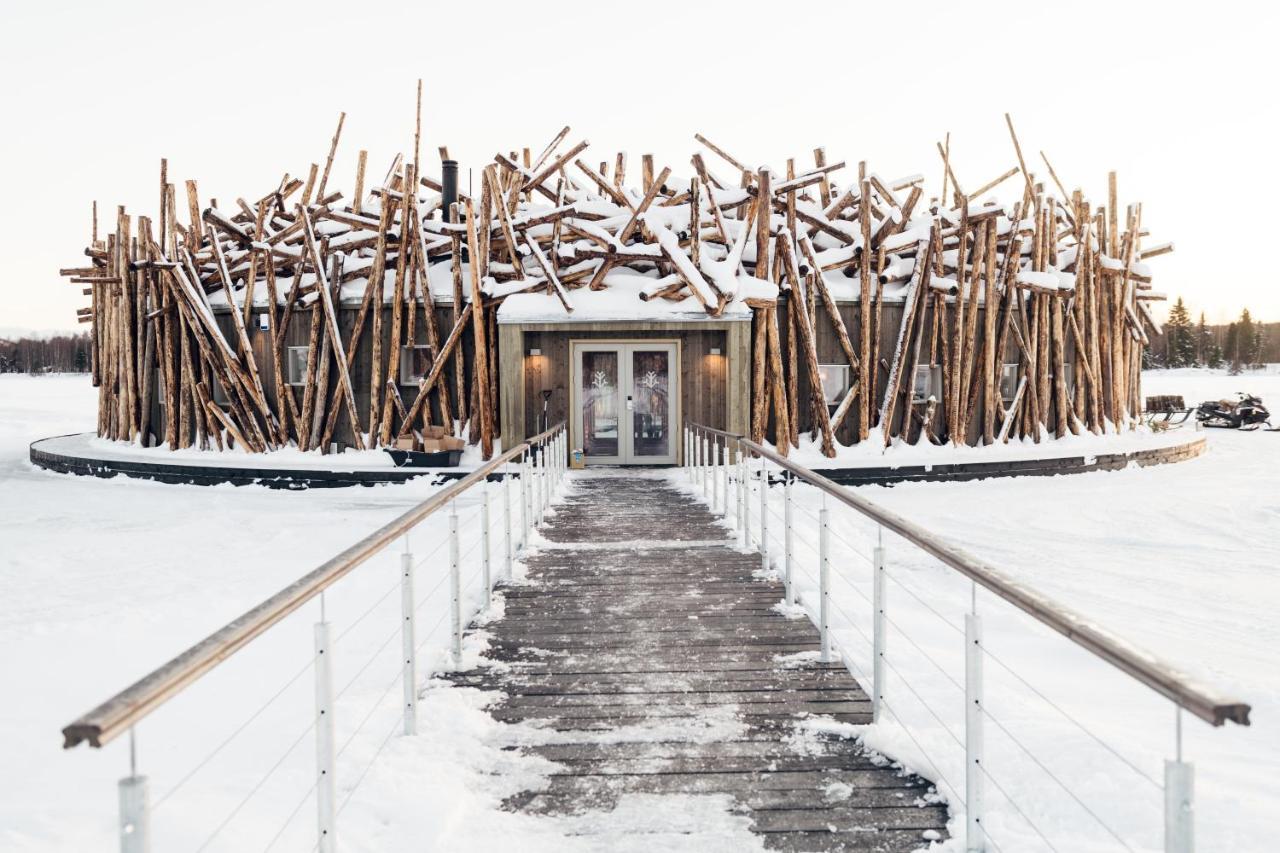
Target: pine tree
column 1180, row 344
column 1231, row 347
column 1246, row 340
column 1213, row 357
column 1204, row 341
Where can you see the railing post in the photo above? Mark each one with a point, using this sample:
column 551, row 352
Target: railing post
column 486, row 575
column 135, row 807
column 506, row 519
column 824, row 586
column 690, row 459
column 715, row 477
column 324, row 736
column 702, row 455
column 975, row 833
column 539, row 484
column 407, row 644
column 535, row 489
column 743, row 517
column 878, row 650
column 722, row 483
column 787, row 540
column 524, row 502
column 546, row 484
column 455, row 586
column 1179, row 799
column 764, row 516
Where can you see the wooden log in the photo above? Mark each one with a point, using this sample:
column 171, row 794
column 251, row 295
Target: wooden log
column 254, row 391
column 217, row 414
column 437, row 367
column 916, row 292
column 782, row 429
column 382, row 434
column 625, row 234
column 549, row 170
column 460, row 370
column 546, row 152
column 357, row 199
column 613, row 193
column 864, row 315
column 335, row 335
column 824, row 185
column 549, row 271
column 485, row 413
column 504, row 221
column 1022, row 164
column 310, row 388
column 719, row 151
column 764, row 213
column 758, row 400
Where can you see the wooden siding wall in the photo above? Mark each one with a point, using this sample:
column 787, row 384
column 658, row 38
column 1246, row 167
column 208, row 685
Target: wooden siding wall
column 705, row 380
column 830, row 352
column 299, row 335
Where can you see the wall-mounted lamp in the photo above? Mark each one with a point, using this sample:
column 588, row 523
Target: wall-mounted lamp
column 535, row 351
column 715, row 350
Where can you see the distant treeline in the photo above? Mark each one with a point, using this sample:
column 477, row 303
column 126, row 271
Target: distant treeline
column 59, row 354
column 1239, row 345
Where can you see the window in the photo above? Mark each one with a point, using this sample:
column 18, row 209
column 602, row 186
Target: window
column 159, row 387
column 219, row 393
column 1069, row 374
column 295, row 364
column 835, row 382
column 415, row 363
column 928, row 382
column 1008, row 381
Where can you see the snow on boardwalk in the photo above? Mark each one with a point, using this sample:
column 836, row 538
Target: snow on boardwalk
column 655, row 652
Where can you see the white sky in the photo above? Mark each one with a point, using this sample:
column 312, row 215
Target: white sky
column 1177, row 97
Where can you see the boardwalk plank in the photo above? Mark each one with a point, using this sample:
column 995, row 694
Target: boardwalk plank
column 638, row 620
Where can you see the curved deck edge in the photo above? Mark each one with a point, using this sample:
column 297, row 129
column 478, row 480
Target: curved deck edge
column 1048, row 467
column 211, row 475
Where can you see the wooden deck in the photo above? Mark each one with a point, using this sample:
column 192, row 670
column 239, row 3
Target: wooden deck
column 644, row 621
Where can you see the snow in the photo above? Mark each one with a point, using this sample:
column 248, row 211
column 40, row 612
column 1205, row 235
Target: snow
column 285, row 459
column 105, row 579
column 873, row 455
column 1178, row 560
column 619, row 301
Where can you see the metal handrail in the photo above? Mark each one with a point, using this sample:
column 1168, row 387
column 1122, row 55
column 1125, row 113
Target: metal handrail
column 1147, row 668
column 116, row 715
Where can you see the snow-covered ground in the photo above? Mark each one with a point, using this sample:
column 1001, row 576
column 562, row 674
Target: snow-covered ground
column 101, row 580
column 1182, row 560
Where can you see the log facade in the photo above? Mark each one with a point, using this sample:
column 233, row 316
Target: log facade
column 823, row 303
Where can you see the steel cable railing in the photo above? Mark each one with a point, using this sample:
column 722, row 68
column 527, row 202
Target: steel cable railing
column 717, row 464
column 534, row 468
column 767, row 509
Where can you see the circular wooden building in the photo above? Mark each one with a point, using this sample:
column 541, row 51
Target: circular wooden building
column 822, row 302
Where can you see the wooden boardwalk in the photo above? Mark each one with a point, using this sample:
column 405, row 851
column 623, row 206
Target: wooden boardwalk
column 644, row 630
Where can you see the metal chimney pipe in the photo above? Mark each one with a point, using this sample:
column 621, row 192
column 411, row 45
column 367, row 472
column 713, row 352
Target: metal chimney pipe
column 449, row 184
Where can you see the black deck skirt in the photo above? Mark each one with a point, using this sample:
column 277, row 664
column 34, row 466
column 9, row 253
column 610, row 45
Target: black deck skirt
column 209, row 475
column 308, row 478
column 959, row 471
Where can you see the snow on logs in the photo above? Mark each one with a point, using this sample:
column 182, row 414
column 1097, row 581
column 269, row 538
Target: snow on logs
column 1042, row 269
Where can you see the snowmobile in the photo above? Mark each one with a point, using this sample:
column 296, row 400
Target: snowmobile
column 1246, row 412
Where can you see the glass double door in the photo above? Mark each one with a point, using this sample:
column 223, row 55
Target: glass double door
column 626, row 402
